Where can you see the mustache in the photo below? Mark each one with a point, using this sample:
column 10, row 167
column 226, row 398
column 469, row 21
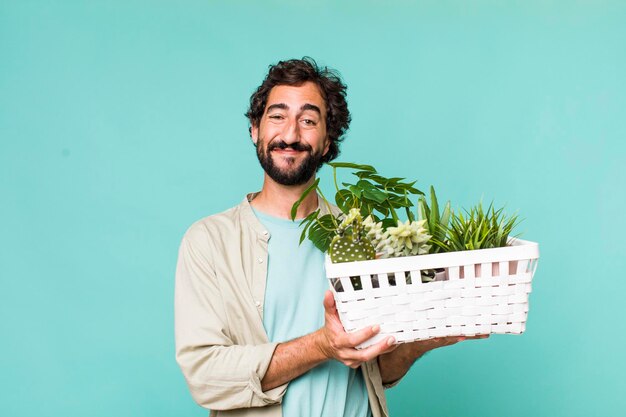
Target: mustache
column 296, row 146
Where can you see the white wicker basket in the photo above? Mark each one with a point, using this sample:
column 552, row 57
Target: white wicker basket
column 478, row 292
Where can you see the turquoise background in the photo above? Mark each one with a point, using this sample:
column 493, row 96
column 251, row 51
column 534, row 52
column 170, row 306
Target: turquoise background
column 121, row 123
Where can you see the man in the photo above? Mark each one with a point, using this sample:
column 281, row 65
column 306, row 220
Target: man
column 257, row 332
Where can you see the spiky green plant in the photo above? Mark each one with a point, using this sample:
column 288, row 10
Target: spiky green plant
column 436, row 222
column 479, row 229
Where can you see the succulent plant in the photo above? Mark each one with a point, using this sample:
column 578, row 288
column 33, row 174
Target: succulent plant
column 350, row 247
column 407, row 239
column 375, row 232
column 351, row 243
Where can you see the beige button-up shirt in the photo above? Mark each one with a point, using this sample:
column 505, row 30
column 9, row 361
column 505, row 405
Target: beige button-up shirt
column 221, row 345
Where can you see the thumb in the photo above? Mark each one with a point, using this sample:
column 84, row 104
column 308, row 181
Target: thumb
column 329, row 302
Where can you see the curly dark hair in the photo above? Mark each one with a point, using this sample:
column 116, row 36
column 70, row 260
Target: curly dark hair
column 295, row 72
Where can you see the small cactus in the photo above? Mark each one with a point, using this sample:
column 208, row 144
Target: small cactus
column 351, row 244
column 351, row 247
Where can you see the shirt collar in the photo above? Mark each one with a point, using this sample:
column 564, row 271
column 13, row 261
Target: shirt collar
column 253, row 221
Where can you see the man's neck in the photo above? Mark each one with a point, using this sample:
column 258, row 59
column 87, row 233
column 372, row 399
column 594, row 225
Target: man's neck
column 276, row 199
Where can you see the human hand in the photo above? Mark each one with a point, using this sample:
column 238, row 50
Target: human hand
column 420, row 347
column 335, row 343
column 395, row 364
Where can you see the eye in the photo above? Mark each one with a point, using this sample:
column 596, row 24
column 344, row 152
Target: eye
column 309, row 122
column 276, row 116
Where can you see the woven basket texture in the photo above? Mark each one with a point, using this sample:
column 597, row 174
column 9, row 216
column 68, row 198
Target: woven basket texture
column 474, row 292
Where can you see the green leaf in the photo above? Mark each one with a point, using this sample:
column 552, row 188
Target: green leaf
column 423, row 210
column 389, row 223
column 294, row 208
column 409, row 215
column 352, row 165
column 401, row 187
column 356, row 191
column 434, row 206
column 399, row 201
column 445, row 215
column 378, row 179
column 307, row 222
column 322, row 232
column 311, row 216
column 394, row 180
column 366, row 185
column 371, row 192
column 415, row 191
column 344, row 200
column 383, row 210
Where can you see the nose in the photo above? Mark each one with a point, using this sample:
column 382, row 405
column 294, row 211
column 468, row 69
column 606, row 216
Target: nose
column 291, row 132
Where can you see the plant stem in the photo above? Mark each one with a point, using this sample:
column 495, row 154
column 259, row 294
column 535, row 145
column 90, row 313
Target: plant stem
column 328, row 230
column 393, row 212
column 337, row 185
column 409, row 215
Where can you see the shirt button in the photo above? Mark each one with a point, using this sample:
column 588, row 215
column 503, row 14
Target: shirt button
column 265, row 233
column 258, row 303
column 260, row 260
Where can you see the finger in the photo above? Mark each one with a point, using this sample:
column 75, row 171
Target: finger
column 391, row 348
column 356, row 338
column 384, row 346
column 329, row 301
column 392, row 344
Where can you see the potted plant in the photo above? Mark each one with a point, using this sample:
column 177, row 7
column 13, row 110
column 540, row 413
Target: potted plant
column 437, row 273
column 368, row 225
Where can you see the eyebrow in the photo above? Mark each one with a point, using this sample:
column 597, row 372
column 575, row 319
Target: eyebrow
column 281, row 106
column 306, row 106
column 313, row 107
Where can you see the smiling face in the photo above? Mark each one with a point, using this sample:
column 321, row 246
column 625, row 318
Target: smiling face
column 291, row 136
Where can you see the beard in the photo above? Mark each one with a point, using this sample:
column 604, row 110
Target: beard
column 294, row 174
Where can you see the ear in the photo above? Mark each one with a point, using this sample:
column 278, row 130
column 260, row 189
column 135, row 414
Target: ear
column 254, row 134
column 326, row 146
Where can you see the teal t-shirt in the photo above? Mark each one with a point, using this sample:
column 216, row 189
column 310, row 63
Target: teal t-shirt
column 293, row 307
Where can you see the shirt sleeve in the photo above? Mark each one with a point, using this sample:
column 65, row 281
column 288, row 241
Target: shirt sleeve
column 221, row 375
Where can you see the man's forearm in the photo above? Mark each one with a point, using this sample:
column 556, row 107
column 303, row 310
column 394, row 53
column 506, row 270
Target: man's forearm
column 394, row 365
column 292, row 359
